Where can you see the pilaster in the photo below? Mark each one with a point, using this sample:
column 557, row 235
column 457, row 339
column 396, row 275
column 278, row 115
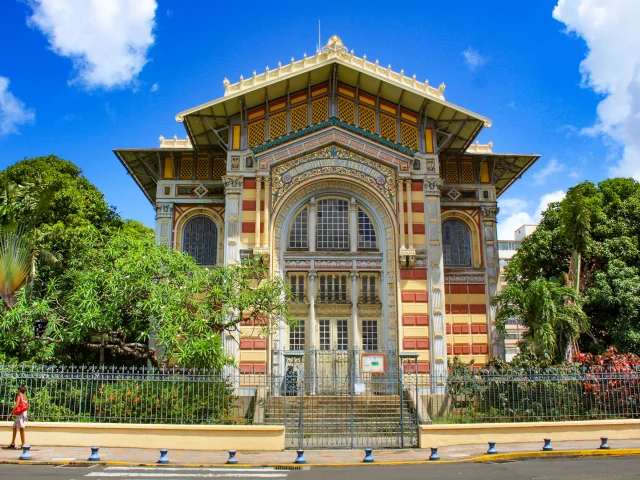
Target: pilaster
column 435, row 282
column 164, row 223
column 490, row 241
column 232, row 192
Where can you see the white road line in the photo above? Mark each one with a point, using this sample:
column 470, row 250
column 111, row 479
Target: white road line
column 186, row 475
column 196, row 469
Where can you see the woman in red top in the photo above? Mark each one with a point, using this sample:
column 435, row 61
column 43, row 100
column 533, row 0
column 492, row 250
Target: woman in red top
column 20, row 411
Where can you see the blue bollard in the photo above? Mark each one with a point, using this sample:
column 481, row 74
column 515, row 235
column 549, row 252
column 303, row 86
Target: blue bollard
column 434, row 454
column 368, row 458
column 300, row 459
column 604, row 445
column 232, row 457
column 547, row 445
column 492, row 448
column 94, row 457
column 163, row 456
column 25, row 453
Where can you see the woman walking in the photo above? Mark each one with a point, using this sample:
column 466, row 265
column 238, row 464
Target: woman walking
column 20, row 411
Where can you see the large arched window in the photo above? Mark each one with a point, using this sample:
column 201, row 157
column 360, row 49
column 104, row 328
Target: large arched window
column 333, row 224
column 200, row 240
column 456, row 240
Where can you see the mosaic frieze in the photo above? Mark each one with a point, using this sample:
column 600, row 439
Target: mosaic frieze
column 368, row 264
column 464, row 279
column 297, row 264
column 334, row 161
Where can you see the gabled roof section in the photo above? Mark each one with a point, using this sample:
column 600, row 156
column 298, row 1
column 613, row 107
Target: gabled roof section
column 456, row 127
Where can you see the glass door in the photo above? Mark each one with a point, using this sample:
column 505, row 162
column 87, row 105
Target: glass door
column 333, row 356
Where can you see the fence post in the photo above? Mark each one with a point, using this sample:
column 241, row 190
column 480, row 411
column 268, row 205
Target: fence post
column 353, row 392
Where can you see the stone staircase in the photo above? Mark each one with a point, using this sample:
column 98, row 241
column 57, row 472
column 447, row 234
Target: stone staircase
column 333, row 421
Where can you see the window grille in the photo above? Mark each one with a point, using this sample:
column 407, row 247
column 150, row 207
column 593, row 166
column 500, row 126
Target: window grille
column 278, row 125
column 409, row 135
column 319, row 110
column 297, row 337
column 367, row 118
column 333, row 288
column 456, row 240
column 256, row 133
column 296, row 283
column 452, row 172
column 202, row 168
column 388, row 128
column 347, row 110
column 219, row 168
column 366, row 232
column 298, row 237
column 200, row 240
column 368, row 293
column 467, row 172
column 370, row 335
column 333, row 224
column 299, row 117
column 186, row 168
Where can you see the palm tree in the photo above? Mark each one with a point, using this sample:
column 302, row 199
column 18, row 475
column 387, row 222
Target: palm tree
column 550, row 311
column 575, row 228
column 15, row 265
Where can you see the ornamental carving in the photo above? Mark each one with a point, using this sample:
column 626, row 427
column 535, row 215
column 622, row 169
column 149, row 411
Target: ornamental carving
column 334, row 160
column 302, row 264
column 489, row 213
column 164, row 210
column 432, row 187
column 232, row 185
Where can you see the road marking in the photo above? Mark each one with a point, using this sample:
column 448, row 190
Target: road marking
column 198, row 469
column 229, row 473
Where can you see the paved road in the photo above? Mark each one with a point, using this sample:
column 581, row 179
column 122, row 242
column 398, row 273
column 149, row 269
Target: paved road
column 611, row 468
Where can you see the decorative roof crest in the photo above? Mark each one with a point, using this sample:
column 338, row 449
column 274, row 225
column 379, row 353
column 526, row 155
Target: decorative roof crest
column 334, row 45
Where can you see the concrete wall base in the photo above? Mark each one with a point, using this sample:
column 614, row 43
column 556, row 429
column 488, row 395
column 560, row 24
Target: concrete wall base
column 447, row 435
column 176, row 437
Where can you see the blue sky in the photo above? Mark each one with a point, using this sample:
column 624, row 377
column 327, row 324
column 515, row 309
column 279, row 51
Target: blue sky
column 79, row 78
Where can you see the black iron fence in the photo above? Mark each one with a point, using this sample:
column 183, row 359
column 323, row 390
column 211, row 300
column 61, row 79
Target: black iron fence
column 323, row 402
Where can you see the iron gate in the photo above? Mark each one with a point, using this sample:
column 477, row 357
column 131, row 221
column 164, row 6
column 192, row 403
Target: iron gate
column 330, row 401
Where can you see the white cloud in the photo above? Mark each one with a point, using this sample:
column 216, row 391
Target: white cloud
column 611, row 68
column 155, row 87
column 473, row 59
column 107, row 40
column 514, row 213
column 13, row 111
column 552, row 167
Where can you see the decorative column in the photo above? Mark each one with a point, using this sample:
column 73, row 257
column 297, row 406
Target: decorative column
column 310, row 329
column 355, row 328
column 232, row 191
column 267, row 213
column 353, row 225
column 435, row 284
column 258, row 205
column 164, row 223
column 489, row 224
column 401, row 214
column 313, row 222
column 408, row 183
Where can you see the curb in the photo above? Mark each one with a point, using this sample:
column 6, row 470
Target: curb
column 496, row 458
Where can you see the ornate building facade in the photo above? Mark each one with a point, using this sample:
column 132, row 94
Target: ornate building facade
column 364, row 189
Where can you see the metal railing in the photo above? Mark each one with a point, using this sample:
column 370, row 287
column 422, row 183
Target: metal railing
column 131, row 395
column 534, row 396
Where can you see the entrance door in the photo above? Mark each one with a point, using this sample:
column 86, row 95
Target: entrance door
column 333, row 356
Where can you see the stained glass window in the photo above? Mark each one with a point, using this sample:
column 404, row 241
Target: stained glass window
column 456, row 239
column 200, row 240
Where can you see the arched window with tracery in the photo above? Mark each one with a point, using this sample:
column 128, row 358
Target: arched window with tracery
column 456, row 240
column 366, row 231
column 200, row 240
column 333, row 224
column 298, row 235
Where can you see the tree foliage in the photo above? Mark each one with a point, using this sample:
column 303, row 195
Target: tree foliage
column 112, row 289
column 605, row 230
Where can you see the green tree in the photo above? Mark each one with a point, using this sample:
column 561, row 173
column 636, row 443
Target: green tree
column 550, row 311
column 125, row 290
column 607, row 235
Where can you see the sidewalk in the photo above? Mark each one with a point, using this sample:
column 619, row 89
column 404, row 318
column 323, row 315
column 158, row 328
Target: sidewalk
column 120, row 456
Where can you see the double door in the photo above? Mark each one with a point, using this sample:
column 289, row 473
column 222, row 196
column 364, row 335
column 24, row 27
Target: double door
column 333, row 356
